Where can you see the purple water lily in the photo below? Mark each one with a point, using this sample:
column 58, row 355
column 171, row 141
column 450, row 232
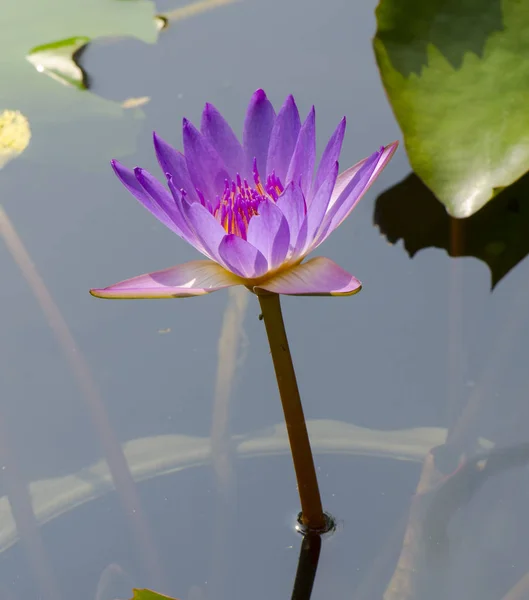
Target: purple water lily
column 255, row 209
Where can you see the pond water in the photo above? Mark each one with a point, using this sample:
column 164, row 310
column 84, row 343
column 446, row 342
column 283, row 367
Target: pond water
column 141, row 443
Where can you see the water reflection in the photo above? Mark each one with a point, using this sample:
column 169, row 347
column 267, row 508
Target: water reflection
column 309, row 557
column 454, row 541
column 425, row 567
column 148, row 458
column 520, row 590
column 117, row 463
column 230, row 357
column 151, row 458
column 114, row 584
column 25, row 521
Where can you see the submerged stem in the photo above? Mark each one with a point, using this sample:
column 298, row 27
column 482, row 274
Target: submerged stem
column 311, row 508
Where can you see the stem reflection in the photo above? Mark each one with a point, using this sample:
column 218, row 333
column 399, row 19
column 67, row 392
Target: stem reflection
column 309, row 557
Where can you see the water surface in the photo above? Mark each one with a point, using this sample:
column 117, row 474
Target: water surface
column 425, row 350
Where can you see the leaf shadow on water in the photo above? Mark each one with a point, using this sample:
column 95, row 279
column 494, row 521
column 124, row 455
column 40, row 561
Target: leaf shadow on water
column 498, row 234
column 455, row 27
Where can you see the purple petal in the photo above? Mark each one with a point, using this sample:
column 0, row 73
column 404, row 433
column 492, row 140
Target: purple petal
column 317, row 277
column 241, row 258
column 260, row 118
column 204, row 164
column 173, row 162
column 189, row 279
column 345, row 178
column 353, row 191
column 283, row 139
column 316, row 211
column 181, row 218
column 387, row 154
column 330, row 155
column 296, row 251
column 292, row 204
column 157, row 206
column 128, row 179
column 302, row 163
column 220, row 135
column 269, row 233
column 159, row 195
column 206, row 229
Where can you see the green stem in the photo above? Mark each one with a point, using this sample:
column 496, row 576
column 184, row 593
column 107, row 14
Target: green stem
column 311, row 509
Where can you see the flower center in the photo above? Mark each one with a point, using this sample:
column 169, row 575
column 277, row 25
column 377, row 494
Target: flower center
column 239, row 201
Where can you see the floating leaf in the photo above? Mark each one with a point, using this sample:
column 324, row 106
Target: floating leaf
column 14, row 135
column 498, row 234
column 58, row 60
column 149, row 595
column 457, row 76
column 68, row 124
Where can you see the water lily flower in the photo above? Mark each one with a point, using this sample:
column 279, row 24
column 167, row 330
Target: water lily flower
column 255, row 209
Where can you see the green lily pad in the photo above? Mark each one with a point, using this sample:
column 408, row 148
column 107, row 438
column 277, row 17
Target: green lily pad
column 68, row 123
column 149, row 595
column 498, row 235
column 59, row 61
column 457, row 76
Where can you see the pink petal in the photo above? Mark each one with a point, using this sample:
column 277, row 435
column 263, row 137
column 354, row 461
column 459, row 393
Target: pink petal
column 319, row 276
column 194, row 278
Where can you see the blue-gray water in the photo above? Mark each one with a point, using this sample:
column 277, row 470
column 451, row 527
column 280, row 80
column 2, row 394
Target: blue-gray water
column 424, row 343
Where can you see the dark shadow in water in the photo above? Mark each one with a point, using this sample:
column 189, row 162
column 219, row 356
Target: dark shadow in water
column 498, row 234
column 454, row 27
column 309, row 557
column 77, row 57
